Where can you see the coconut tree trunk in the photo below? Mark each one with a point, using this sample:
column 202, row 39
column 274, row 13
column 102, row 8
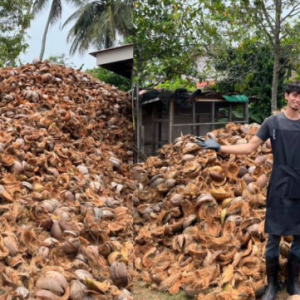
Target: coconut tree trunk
column 46, row 32
column 277, row 53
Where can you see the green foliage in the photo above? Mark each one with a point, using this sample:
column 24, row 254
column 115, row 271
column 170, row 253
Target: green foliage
column 54, row 15
column 14, row 20
column 170, row 35
column 167, row 39
column 100, row 24
column 248, row 69
column 111, row 78
column 177, row 83
column 274, row 23
column 62, row 59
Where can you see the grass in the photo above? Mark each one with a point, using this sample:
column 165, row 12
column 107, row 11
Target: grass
column 143, row 292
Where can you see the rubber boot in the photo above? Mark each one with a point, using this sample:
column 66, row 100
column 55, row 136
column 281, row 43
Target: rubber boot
column 293, row 269
column 272, row 267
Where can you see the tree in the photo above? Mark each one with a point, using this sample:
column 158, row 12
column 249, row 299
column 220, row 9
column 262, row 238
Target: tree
column 62, row 59
column 248, row 69
column 54, row 15
column 100, row 24
column 15, row 17
column 167, row 39
column 111, row 78
column 274, row 22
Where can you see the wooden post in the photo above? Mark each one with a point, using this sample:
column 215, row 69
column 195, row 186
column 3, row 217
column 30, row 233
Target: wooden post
column 246, row 112
column 171, row 119
column 138, row 120
column 194, row 118
column 154, row 128
column 230, row 112
column 142, row 139
column 134, row 116
column 213, row 115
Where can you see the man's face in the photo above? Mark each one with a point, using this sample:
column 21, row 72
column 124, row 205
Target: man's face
column 293, row 100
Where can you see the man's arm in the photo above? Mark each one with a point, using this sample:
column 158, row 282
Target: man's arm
column 248, row 148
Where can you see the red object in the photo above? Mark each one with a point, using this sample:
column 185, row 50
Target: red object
column 142, row 92
column 201, row 85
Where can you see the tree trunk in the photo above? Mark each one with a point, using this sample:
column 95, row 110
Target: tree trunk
column 46, row 32
column 277, row 53
column 275, row 80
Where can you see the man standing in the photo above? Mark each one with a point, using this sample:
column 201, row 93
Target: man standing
column 283, row 197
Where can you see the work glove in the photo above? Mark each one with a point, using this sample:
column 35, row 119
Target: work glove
column 209, row 144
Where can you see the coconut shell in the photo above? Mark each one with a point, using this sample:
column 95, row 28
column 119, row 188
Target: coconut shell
column 204, row 221
column 119, row 274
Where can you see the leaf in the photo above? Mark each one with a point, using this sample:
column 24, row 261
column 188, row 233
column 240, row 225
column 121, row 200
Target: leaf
column 255, row 117
column 237, row 114
column 13, row 23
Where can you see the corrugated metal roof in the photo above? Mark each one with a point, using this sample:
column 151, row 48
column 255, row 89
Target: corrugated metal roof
column 237, row 98
column 110, row 49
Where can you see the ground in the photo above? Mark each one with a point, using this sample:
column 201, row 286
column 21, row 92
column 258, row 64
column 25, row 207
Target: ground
column 283, row 295
column 143, row 292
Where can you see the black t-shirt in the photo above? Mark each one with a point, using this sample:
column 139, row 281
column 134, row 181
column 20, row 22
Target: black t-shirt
column 266, row 129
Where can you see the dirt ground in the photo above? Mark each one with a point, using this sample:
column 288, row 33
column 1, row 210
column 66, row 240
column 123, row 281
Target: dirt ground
column 143, row 292
column 282, row 295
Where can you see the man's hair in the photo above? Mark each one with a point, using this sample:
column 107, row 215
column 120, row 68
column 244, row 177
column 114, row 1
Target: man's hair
column 293, row 87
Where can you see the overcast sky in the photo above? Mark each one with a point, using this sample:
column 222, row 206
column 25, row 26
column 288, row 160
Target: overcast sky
column 56, row 40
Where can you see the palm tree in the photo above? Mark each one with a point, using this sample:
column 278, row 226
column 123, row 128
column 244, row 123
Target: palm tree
column 54, row 15
column 100, row 23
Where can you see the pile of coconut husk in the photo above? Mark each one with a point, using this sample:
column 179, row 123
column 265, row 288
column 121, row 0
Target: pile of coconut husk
column 199, row 218
column 65, row 205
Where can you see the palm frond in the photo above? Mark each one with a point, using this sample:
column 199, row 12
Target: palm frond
column 124, row 21
column 98, row 23
column 79, row 33
column 77, row 3
column 77, row 14
column 39, row 6
column 56, row 11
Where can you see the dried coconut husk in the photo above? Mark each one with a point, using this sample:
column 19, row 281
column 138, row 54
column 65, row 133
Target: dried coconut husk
column 228, row 231
column 65, row 151
column 217, row 175
column 212, row 227
column 232, row 171
column 194, row 283
column 221, row 193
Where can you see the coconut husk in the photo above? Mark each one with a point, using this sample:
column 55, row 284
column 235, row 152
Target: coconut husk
column 65, row 185
column 218, row 223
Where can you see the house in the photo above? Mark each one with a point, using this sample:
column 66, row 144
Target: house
column 166, row 115
column 117, row 59
column 161, row 116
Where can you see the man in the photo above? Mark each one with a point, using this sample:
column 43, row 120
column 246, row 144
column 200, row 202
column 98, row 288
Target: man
column 283, row 197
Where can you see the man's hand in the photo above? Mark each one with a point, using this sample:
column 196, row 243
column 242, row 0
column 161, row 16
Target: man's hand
column 209, row 144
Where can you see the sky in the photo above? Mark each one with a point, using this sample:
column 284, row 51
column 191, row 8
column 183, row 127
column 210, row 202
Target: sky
column 56, row 43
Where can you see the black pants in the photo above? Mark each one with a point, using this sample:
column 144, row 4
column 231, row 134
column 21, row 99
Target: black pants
column 272, row 249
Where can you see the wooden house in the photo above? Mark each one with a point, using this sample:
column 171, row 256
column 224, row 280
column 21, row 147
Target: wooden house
column 165, row 116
